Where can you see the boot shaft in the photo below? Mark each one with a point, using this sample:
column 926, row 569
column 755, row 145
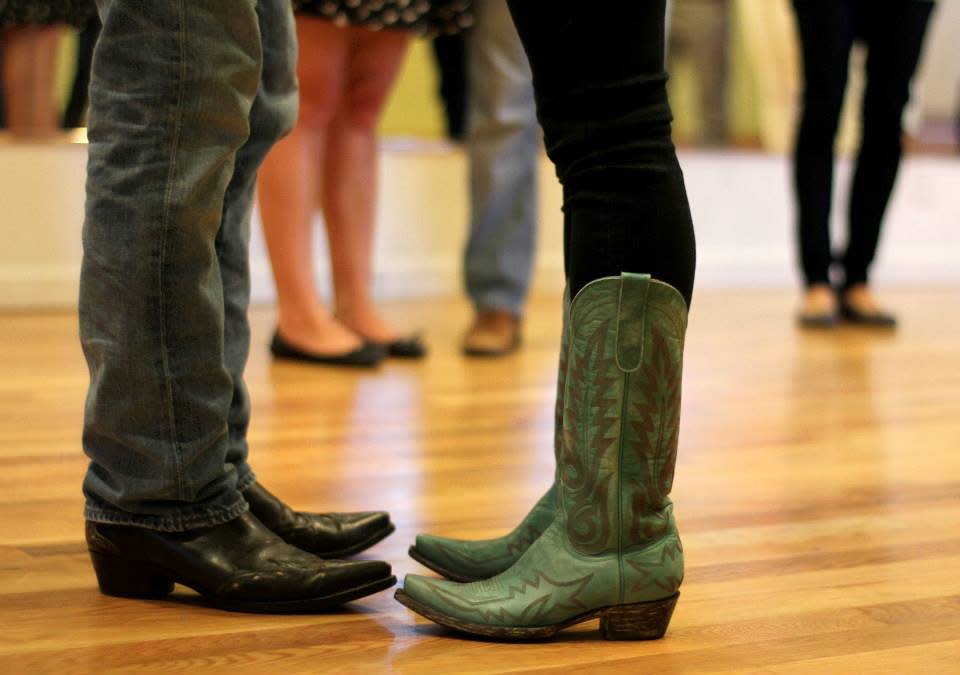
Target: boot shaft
column 561, row 385
column 622, row 415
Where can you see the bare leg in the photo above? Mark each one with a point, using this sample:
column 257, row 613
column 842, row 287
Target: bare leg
column 350, row 180
column 29, row 64
column 288, row 186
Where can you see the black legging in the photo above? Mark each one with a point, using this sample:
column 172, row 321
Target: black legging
column 76, row 109
column 893, row 32
column 601, row 94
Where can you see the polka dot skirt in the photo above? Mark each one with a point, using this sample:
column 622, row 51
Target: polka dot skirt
column 21, row 12
column 428, row 17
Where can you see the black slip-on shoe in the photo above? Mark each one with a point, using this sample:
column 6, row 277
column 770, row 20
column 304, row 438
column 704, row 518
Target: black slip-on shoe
column 367, row 356
column 876, row 319
column 818, row 321
column 411, row 347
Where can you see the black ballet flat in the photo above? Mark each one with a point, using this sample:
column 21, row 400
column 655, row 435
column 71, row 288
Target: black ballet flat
column 411, row 347
column 868, row 319
column 367, row 356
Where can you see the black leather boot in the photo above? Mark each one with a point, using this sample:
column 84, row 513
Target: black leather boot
column 328, row 535
column 240, row 566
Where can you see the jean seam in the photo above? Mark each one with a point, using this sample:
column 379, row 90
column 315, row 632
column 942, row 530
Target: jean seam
column 165, row 229
column 245, row 481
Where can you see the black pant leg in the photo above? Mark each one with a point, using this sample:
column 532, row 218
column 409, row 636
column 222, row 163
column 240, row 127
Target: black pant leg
column 77, row 103
column 601, row 98
column 3, row 100
column 450, row 52
column 827, row 31
column 894, row 33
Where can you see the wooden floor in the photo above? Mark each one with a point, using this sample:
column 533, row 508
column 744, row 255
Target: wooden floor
column 818, row 495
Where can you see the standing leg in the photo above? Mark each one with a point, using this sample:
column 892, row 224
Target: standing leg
column 612, row 549
column 451, row 57
column 504, row 144
column 827, row 31
column 349, row 187
column 3, row 86
column 174, row 85
column 895, row 34
column 163, row 143
column 288, row 188
column 698, row 34
column 29, row 69
column 272, row 116
column 77, row 103
column 710, row 52
column 601, row 99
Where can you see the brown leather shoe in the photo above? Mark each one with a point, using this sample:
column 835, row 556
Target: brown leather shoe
column 493, row 333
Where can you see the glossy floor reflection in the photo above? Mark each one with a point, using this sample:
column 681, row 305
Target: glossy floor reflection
column 818, row 495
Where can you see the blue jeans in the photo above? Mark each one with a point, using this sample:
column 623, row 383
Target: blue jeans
column 503, row 145
column 187, row 97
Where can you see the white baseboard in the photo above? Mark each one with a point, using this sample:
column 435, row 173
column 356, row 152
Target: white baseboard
column 741, row 202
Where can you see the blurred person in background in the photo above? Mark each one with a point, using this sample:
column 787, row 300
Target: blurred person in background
column 893, row 33
column 350, row 53
column 76, row 111
column 699, row 33
column 956, row 127
column 450, row 54
column 503, row 144
column 30, row 40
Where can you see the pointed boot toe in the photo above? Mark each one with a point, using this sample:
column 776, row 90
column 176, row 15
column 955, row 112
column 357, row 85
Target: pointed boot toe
column 445, row 557
column 436, row 600
column 467, row 560
column 352, row 532
column 358, row 573
column 328, row 535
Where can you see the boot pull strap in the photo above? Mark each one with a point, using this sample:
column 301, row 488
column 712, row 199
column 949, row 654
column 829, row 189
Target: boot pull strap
column 631, row 320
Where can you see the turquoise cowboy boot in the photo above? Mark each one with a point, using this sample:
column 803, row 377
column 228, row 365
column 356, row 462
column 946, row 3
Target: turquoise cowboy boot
column 613, row 550
column 467, row 560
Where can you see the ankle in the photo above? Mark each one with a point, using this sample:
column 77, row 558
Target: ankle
column 860, row 296
column 356, row 312
column 302, row 321
column 820, row 298
column 366, row 321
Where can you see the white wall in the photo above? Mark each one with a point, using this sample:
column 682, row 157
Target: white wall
column 939, row 79
column 741, row 203
column 41, row 211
